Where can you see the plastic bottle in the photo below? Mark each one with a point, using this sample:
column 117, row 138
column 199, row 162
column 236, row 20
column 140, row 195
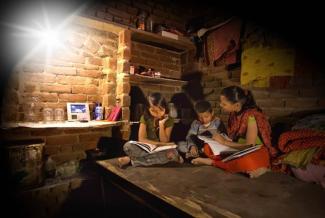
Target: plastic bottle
column 98, row 111
column 172, row 110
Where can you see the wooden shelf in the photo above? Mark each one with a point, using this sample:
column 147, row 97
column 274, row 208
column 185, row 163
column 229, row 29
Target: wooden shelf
column 181, row 45
column 65, row 124
column 154, row 80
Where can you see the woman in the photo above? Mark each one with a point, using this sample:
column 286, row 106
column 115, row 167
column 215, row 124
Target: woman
column 155, row 128
column 247, row 126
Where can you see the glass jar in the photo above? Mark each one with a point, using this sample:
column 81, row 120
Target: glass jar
column 59, row 114
column 47, row 114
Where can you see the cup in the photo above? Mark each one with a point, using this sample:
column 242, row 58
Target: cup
column 59, row 114
column 47, row 114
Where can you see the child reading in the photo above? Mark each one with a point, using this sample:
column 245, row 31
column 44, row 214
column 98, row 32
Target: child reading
column 247, row 126
column 155, row 128
column 206, row 125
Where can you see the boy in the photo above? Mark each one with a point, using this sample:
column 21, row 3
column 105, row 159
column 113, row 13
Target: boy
column 206, row 125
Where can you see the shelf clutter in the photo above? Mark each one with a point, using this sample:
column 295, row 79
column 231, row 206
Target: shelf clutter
column 65, row 124
column 181, row 44
column 157, row 80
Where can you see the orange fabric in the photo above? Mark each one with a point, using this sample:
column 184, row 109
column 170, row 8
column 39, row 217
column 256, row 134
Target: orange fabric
column 300, row 139
column 237, row 127
column 249, row 162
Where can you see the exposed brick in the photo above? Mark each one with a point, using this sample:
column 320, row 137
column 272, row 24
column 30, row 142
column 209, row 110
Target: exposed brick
column 284, row 93
column 46, row 132
column 125, row 100
column 111, row 77
column 90, row 73
column 123, row 66
column 30, row 87
column 105, row 51
column 125, row 113
column 72, row 97
column 89, row 137
column 265, row 103
column 49, row 97
column 110, row 63
column 75, row 131
column 70, row 57
column 66, row 148
column 107, row 87
column 104, row 15
column 59, row 63
column 123, row 88
column 76, row 39
column 108, row 99
column 92, row 45
column 61, row 140
column 301, row 103
column 125, row 38
column 55, row 88
column 124, row 53
column 93, row 60
column 53, row 149
column 78, row 147
column 94, row 98
column 61, row 70
column 133, row 11
column 88, row 89
column 87, row 66
column 64, row 157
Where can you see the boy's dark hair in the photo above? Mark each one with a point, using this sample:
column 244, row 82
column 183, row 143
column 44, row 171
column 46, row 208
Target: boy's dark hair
column 203, row 106
column 236, row 94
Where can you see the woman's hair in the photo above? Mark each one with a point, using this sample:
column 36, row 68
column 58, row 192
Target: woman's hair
column 155, row 99
column 203, row 106
column 236, row 94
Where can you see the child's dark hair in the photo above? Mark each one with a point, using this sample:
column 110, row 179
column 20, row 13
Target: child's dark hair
column 236, row 94
column 203, row 106
column 158, row 100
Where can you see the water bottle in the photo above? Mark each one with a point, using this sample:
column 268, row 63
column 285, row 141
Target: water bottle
column 98, row 111
column 172, row 110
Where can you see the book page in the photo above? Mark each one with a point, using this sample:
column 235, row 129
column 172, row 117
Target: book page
column 242, row 153
column 165, row 147
column 215, row 146
column 150, row 148
column 145, row 146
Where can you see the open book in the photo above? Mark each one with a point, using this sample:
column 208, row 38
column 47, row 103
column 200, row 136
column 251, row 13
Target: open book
column 215, row 146
column 150, row 148
column 226, row 152
column 241, row 153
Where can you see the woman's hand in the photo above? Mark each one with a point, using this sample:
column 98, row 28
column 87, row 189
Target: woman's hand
column 163, row 121
column 219, row 138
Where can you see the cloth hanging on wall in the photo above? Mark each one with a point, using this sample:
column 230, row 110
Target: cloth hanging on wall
column 224, row 42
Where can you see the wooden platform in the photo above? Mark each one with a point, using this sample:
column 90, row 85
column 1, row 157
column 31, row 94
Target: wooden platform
column 209, row 192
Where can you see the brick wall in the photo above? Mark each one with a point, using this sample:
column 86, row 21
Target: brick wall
column 304, row 91
column 64, row 144
column 76, row 73
column 168, row 63
column 125, row 12
column 84, row 71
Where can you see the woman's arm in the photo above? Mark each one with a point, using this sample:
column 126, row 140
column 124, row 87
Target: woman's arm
column 251, row 136
column 142, row 135
column 164, row 133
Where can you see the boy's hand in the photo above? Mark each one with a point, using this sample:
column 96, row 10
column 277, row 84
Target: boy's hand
column 193, row 151
column 219, row 138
